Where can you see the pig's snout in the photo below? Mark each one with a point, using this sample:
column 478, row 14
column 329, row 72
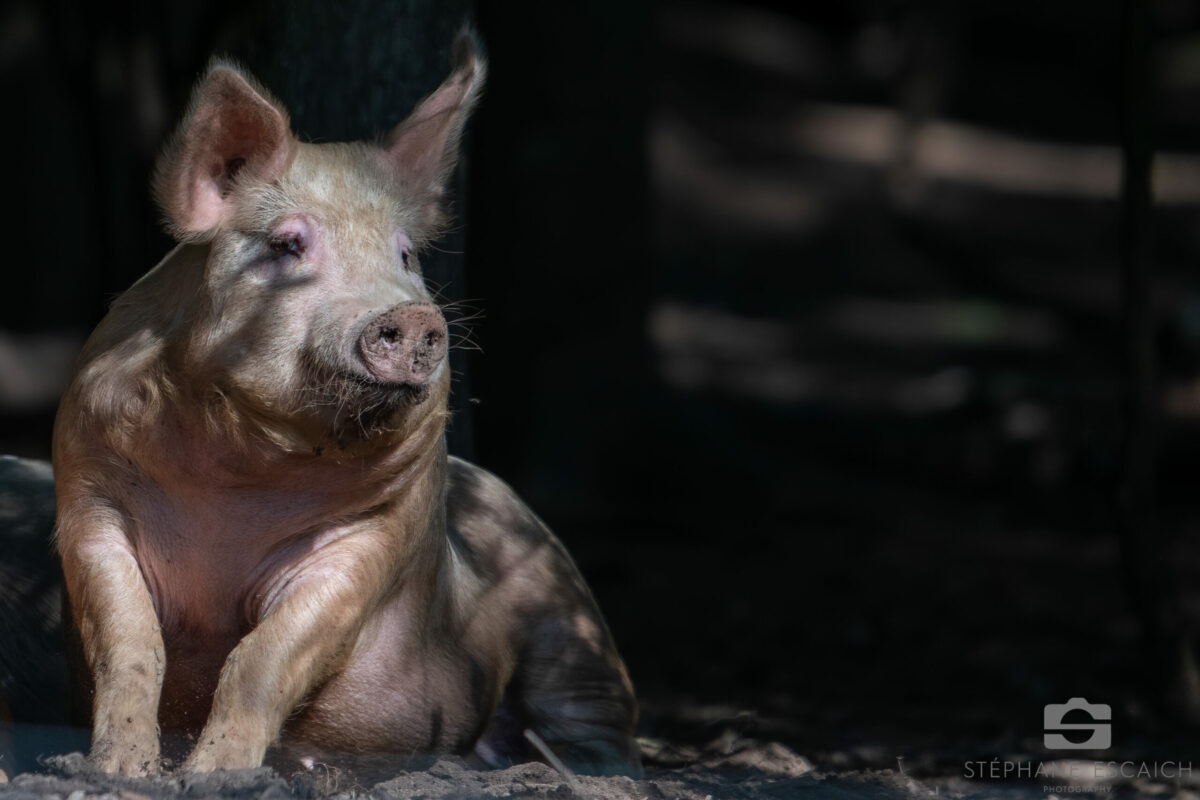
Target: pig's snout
column 404, row 344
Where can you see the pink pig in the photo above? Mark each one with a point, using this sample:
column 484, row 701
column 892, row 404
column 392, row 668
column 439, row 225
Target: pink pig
column 263, row 539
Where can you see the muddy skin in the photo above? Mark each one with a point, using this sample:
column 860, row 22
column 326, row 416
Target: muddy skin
column 264, row 543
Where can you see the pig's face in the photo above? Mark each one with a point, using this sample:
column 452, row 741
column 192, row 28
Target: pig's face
column 318, row 310
column 313, row 312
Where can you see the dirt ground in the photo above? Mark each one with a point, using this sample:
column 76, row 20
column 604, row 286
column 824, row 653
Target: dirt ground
column 728, row 767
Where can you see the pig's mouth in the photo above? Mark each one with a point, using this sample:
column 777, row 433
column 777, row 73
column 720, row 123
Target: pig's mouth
column 374, row 407
column 365, row 402
column 367, row 407
column 357, row 406
column 388, row 394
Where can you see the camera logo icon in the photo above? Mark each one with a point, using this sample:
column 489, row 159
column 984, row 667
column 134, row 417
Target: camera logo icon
column 1100, row 727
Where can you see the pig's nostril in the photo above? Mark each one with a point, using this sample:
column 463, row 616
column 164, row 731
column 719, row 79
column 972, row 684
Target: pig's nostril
column 432, row 338
column 390, row 335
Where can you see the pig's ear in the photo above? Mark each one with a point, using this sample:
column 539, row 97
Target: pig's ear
column 424, row 148
column 233, row 129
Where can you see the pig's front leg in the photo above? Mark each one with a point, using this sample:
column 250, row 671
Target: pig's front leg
column 121, row 640
column 302, row 639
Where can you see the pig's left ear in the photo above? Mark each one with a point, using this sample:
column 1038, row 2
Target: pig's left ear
column 424, row 148
column 233, row 129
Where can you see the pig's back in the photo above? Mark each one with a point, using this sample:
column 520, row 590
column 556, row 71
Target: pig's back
column 498, row 544
column 521, row 600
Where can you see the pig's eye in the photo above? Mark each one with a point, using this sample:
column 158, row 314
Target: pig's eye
column 287, row 245
column 404, row 245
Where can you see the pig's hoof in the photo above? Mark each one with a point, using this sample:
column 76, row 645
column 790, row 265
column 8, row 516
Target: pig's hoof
column 129, row 762
column 200, row 762
column 212, row 757
column 193, row 765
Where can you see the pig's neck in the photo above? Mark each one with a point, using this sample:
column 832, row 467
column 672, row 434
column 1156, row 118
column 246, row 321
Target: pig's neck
column 239, row 454
column 239, row 516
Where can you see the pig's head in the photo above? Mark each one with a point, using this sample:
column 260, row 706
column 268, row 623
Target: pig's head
column 311, row 314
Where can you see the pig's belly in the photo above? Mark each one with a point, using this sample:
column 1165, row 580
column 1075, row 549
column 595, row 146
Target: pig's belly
column 399, row 693
column 389, row 698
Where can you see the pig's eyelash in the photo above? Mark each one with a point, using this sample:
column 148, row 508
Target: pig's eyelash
column 286, row 245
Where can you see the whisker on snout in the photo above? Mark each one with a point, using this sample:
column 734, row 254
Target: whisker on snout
column 461, row 317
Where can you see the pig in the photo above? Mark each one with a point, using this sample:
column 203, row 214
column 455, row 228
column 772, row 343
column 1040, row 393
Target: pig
column 263, row 539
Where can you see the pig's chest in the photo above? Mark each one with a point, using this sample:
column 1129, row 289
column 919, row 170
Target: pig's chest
column 401, row 690
column 206, row 560
column 203, row 587
column 201, row 563
column 208, row 553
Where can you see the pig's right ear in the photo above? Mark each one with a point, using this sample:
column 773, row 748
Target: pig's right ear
column 233, row 130
column 423, row 149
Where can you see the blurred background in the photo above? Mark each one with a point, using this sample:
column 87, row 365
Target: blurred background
column 836, row 340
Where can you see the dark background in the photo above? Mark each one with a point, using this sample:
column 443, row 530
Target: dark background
column 805, row 325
